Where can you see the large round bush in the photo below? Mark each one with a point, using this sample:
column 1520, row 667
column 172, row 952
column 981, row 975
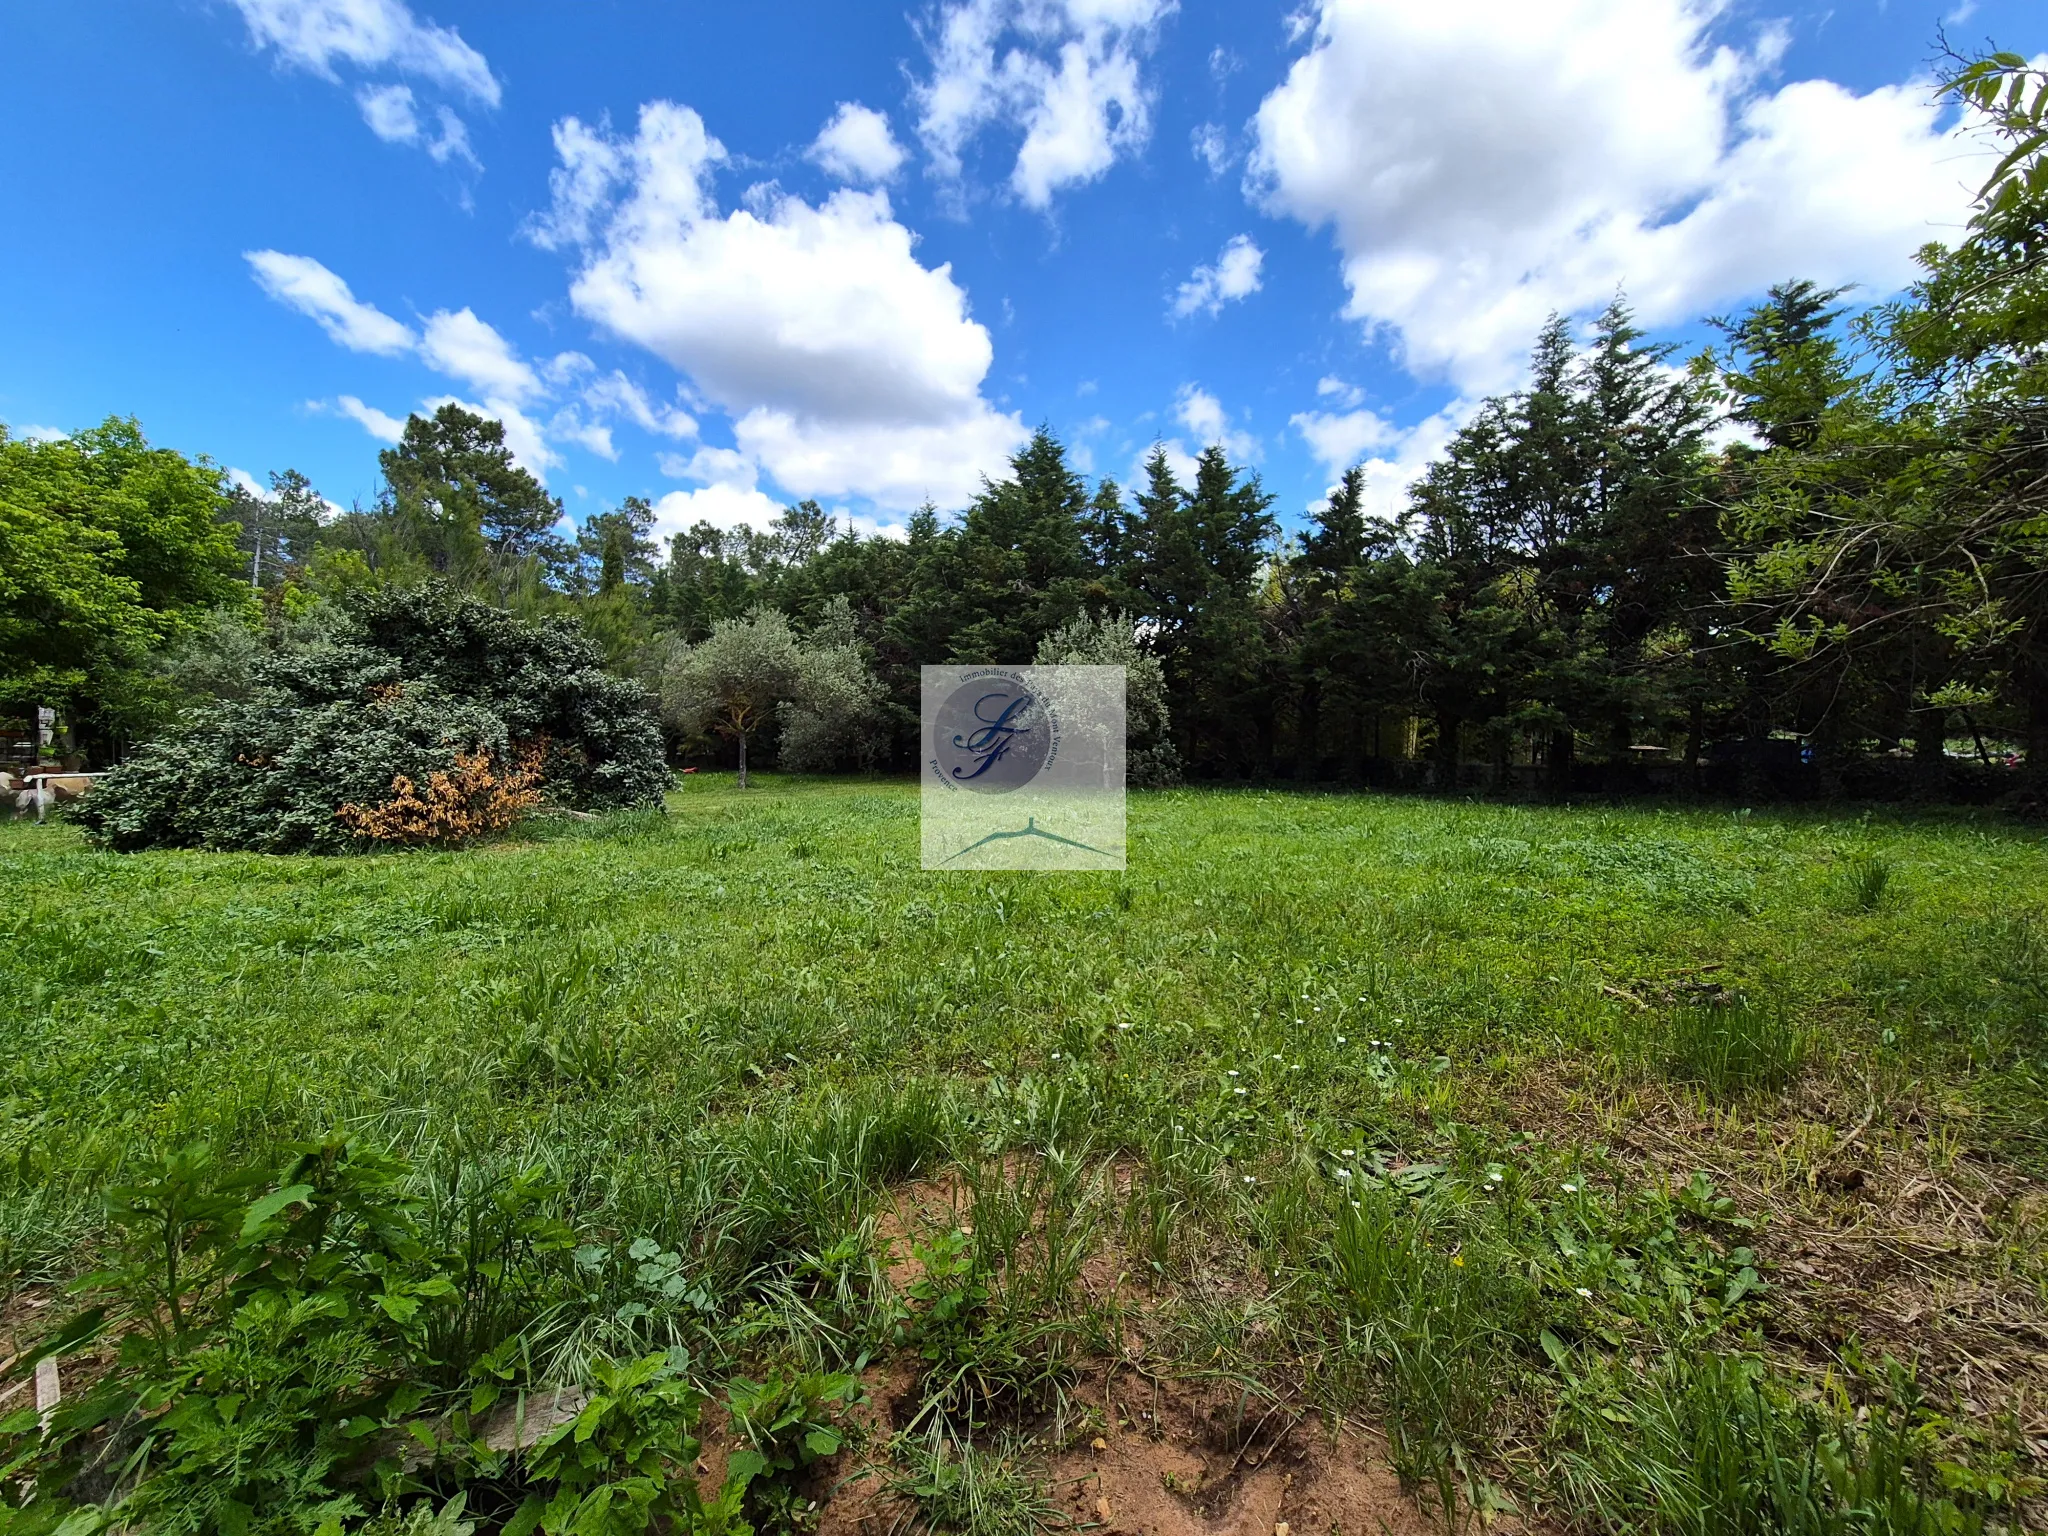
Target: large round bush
column 411, row 684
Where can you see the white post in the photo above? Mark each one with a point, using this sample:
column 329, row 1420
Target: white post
column 49, row 1392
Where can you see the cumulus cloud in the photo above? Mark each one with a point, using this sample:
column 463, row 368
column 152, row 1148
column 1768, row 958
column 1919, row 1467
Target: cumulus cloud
column 248, row 484
column 31, row 433
column 1612, row 145
column 856, row 145
column 711, row 465
column 385, row 428
column 1211, row 148
column 1203, row 416
column 452, row 143
column 303, row 284
column 571, row 426
column 1178, row 460
column 380, row 35
column 1234, row 276
column 390, row 112
column 848, row 368
column 463, row 347
column 1064, row 73
column 729, row 497
column 620, row 396
column 722, row 506
column 1341, row 439
column 314, row 35
column 523, row 435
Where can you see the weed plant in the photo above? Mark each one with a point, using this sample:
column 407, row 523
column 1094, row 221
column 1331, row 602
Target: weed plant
column 947, row 1487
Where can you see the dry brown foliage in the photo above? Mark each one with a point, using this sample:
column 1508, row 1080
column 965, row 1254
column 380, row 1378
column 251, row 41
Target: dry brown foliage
column 455, row 805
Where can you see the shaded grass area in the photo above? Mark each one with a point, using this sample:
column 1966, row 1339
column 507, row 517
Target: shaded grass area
column 1544, row 1136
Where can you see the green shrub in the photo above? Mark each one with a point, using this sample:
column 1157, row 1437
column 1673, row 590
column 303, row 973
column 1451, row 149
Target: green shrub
column 403, row 686
column 621, row 1465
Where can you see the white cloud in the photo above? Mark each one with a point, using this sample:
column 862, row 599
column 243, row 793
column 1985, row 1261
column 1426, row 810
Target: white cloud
column 723, row 506
column 463, row 347
column 1178, row 459
column 1340, row 440
column 31, row 433
column 1063, row 72
column 388, row 429
column 453, row 143
column 898, row 465
column 570, row 427
column 1203, row 415
column 580, row 187
column 301, row 283
column 1235, row 275
column 711, row 466
column 1612, row 145
column 856, row 145
column 389, row 111
column 1211, row 148
column 1330, row 387
column 369, row 34
column 618, row 394
column 248, row 483
column 566, row 367
column 848, row 367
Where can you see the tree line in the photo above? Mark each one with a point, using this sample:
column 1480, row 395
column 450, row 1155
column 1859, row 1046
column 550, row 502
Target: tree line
column 1827, row 529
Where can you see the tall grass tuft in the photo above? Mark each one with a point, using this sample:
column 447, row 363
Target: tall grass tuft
column 1436, row 1321
column 1709, row 1445
column 1863, row 883
column 948, row 1487
column 1733, row 1048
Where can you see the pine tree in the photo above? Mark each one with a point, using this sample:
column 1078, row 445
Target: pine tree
column 1021, row 560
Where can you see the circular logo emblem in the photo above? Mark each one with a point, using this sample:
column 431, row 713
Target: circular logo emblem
column 992, row 734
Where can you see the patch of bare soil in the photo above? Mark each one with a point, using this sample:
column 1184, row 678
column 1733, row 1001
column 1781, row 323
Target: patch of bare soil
column 1134, row 1453
column 1188, row 1458
column 1171, row 1458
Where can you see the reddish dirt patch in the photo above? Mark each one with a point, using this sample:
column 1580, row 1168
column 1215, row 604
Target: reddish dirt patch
column 1195, row 1459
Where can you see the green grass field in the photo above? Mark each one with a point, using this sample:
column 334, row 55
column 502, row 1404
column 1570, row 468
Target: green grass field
column 1635, row 1168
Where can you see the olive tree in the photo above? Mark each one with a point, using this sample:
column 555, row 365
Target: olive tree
column 1111, row 640
column 838, row 717
column 732, row 682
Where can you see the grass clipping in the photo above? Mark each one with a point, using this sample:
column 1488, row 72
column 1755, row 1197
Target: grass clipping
column 455, row 805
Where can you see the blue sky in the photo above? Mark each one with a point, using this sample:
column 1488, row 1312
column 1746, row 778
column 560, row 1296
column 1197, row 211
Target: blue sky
column 729, row 255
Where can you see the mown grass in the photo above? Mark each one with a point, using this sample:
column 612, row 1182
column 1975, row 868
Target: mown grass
column 1372, row 1061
